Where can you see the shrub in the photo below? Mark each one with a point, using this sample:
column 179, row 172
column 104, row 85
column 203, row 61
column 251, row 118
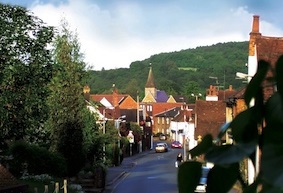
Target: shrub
column 70, row 146
column 35, row 160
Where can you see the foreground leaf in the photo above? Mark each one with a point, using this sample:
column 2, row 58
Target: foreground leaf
column 272, row 155
column 223, row 130
column 228, row 154
column 255, row 84
column 274, row 111
column 244, row 126
column 221, row 179
column 279, row 78
column 201, row 148
column 189, row 174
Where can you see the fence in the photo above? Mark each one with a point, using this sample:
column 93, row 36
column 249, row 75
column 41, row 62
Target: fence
column 56, row 189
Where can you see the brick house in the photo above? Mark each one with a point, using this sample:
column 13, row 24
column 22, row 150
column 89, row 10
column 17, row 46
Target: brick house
column 212, row 112
column 114, row 105
column 263, row 48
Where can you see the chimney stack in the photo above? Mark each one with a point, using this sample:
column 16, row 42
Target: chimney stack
column 255, row 28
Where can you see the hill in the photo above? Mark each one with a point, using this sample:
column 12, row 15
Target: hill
column 181, row 72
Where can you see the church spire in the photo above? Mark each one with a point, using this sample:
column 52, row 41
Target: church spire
column 150, row 79
column 150, row 85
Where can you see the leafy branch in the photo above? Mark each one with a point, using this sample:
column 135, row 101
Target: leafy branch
column 260, row 125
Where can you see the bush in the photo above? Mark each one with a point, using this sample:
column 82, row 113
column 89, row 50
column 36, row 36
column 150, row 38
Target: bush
column 70, row 146
column 35, row 160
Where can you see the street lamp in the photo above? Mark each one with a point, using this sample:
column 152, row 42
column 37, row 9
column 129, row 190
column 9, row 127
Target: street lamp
column 117, row 124
column 196, row 95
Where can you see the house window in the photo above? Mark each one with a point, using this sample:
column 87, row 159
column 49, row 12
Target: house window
column 167, row 120
column 149, row 108
column 162, row 120
column 158, row 120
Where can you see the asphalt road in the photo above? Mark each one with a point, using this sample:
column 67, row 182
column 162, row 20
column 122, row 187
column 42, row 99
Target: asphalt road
column 154, row 173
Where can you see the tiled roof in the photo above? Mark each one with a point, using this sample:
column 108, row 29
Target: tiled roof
column 210, row 116
column 169, row 112
column 183, row 116
column 225, row 94
column 269, row 48
column 162, row 107
column 108, row 97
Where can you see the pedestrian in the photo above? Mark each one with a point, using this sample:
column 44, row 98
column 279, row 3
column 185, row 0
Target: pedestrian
column 179, row 160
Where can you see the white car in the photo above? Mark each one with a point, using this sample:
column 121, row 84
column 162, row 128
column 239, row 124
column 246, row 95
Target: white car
column 202, row 182
column 161, row 147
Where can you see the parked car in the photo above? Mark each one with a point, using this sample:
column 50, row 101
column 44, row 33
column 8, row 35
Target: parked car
column 202, row 182
column 176, row 144
column 162, row 137
column 161, row 147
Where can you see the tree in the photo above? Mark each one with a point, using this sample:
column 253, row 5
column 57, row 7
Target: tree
column 66, row 101
column 260, row 125
column 190, row 89
column 25, row 70
column 131, row 88
column 92, row 142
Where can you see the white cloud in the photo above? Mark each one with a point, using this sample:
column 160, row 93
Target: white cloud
column 114, row 36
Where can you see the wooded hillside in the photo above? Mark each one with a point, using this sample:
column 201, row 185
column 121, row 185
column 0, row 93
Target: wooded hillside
column 181, row 72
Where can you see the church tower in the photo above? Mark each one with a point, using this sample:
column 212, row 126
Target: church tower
column 150, row 89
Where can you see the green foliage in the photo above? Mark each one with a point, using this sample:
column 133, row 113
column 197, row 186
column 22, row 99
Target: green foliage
column 66, row 102
column 91, row 137
column 171, row 70
column 70, row 146
column 260, row 125
column 25, row 70
column 35, row 160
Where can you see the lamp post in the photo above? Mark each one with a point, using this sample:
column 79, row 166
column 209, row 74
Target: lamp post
column 119, row 120
column 196, row 95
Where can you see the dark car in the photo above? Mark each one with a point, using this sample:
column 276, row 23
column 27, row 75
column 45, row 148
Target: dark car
column 202, row 182
column 176, row 144
column 162, row 137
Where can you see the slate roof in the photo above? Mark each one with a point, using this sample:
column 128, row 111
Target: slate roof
column 183, row 116
column 180, row 98
column 161, row 96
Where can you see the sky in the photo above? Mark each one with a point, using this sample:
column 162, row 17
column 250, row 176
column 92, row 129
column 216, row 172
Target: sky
column 115, row 33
